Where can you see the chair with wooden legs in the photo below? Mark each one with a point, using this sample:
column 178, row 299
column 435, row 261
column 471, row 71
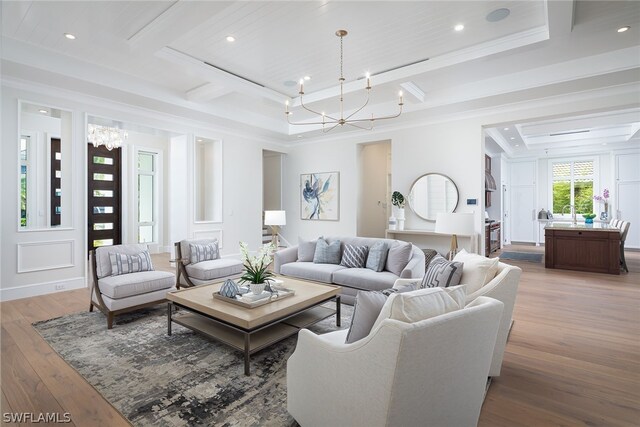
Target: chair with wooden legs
column 114, row 294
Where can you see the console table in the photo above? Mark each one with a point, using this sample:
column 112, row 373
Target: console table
column 432, row 240
column 584, row 247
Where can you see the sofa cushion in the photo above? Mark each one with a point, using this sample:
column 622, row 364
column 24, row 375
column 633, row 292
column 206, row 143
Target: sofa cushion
column 311, row 271
column 365, row 279
column 126, row 285
column 398, row 257
column 354, row 256
column 327, row 253
column 126, row 263
column 214, row 269
column 366, row 309
column 377, row 257
column 442, row 273
column 477, row 270
column 206, row 252
column 411, row 307
column 306, row 250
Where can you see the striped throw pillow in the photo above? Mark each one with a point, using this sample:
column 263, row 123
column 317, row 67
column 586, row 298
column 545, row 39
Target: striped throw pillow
column 354, row 256
column 201, row 253
column 125, row 263
column 442, row 273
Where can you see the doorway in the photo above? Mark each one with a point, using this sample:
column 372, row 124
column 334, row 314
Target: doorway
column 374, row 162
column 104, row 201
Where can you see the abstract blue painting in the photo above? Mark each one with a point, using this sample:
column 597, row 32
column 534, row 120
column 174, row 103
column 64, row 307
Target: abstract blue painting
column 320, row 196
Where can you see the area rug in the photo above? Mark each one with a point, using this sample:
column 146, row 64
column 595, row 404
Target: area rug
column 522, row 256
column 181, row 380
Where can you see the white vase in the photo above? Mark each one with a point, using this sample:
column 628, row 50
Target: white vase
column 400, row 224
column 257, row 288
column 400, row 214
column 392, row 222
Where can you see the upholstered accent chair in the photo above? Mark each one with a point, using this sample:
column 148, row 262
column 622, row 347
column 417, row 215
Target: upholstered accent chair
column 190, row 274
column 504, row 288
column 431, row 372
column 114, row 294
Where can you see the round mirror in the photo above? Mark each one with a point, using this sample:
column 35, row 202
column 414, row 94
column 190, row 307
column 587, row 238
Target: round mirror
column 431, row 194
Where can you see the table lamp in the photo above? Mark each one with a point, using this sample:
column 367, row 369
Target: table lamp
column 275, row 219
column 454, row 224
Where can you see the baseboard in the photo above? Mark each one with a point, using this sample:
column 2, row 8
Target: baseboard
column 32, row 290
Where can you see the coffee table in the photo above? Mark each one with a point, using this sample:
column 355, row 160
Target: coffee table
column 252, row 329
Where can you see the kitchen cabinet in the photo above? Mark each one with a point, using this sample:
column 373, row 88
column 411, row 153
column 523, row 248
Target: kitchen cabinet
column 492, row 236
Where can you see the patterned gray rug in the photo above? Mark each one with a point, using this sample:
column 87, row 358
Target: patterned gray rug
column 179, row 380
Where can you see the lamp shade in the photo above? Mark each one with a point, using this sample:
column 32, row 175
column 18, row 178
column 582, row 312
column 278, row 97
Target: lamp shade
column 275, row 218
column 460, row 224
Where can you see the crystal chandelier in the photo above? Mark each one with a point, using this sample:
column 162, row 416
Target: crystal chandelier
column 329, row 122
column 110, row 137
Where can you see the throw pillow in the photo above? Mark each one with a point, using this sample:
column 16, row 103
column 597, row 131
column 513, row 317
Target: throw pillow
column 478, row 270
column 306, row 250
column 201, row 253
column 429, row 254
column 377, row 256
column 125, row 264
column 442, row 273
column 411, row 307
column 327, row 253
column 366, row 310
column 354, row 256
column 398, row 257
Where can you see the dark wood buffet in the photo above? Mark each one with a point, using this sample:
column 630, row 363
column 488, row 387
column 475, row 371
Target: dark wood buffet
column 583, row 247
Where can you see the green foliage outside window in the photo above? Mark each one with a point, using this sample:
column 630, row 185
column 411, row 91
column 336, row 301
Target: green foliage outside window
column 583, row 195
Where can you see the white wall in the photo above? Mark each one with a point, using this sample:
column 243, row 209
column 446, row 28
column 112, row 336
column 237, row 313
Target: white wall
column 241, row 177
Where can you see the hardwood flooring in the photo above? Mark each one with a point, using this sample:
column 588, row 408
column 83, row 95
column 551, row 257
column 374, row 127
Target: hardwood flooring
column 573, row 357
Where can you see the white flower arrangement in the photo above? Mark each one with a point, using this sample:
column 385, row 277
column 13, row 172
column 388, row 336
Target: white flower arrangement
column 256, row 267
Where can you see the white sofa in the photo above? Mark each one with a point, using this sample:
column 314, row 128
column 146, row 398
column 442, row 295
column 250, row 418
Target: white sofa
column 351, row 280
column 428, row 373
column 503, row 287
column 116, row 294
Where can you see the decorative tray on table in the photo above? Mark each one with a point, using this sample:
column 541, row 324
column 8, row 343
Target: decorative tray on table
column 248, row 299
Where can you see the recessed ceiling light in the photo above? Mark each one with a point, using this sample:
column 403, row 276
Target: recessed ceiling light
column 604, row 143
column 198, row 140
column 459, row 27
column 517, row 145
column 307, row 78
column 623, row 29
column 70, row 36
column 231, row 39
column 498, row 14
column 506, row 128
column 43, row 111
column 512, row 138
column 299, row 136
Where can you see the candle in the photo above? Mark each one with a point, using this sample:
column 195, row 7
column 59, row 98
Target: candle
column 400, row 95
column 286, row 106
column 368, row 80
column 301, row 85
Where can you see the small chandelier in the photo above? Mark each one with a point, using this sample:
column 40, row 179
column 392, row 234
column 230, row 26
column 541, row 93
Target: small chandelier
column 329, row 122
column 110, row 137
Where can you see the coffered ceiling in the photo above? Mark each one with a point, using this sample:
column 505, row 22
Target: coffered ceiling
column 177, row 53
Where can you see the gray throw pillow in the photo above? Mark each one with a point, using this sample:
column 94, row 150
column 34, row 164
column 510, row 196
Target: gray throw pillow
column 398, row 257
column 306, row 250
column 442, row 273
column 377, row 256
column 327, row 253
column 367, row 309
column 354, row 256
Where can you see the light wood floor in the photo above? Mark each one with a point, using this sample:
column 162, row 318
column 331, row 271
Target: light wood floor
column 573, row 357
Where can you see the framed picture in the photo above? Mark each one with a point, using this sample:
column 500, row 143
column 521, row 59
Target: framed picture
column 320, row 196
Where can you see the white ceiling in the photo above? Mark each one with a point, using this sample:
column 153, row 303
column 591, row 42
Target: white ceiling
column 157, row 50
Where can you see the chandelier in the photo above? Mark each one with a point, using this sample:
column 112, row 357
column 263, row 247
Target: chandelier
column 330, row 122
column 108, row 136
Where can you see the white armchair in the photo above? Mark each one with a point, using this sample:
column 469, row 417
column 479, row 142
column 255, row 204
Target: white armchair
column 429, row 373
column 504, row 288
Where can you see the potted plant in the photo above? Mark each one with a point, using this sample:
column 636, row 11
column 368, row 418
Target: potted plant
column 256, row 272
column 398, row 201
column 605, row 200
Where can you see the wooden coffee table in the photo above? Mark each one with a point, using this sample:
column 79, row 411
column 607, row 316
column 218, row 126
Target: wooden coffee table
column 252, row 329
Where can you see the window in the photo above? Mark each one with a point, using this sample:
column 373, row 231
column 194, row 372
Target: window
column 146, row 178
column 572, row 184
column 24, row 161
